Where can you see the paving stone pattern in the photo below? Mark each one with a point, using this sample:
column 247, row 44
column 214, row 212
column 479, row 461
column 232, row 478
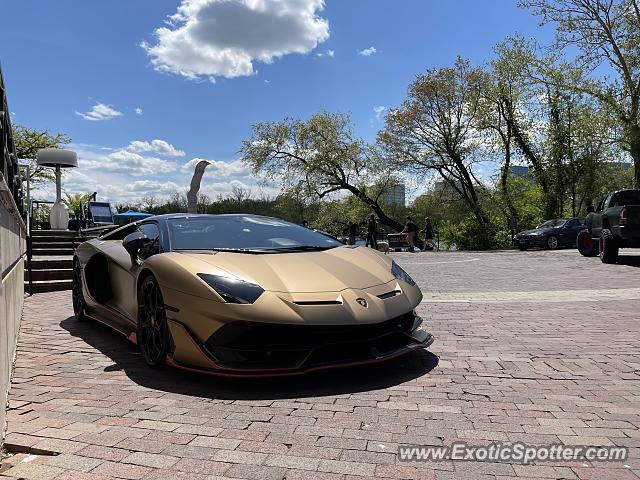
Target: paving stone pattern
column 522, row 353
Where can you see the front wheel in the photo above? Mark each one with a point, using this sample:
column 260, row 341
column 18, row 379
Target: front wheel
column 153, row 331
column 77, row 294
column 608, row 247
column 552, row 242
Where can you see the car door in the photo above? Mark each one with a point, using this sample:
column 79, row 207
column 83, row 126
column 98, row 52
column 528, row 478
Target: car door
column 571, row 230
column 123, row 271
column 596, row 223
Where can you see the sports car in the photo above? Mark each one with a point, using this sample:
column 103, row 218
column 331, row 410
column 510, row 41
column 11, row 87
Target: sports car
column 246, row 295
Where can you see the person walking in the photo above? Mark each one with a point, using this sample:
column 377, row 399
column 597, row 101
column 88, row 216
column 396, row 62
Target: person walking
column 428, row 235
column 353, row 232
column 588, row 220
column 410, row 229
column 372, row 230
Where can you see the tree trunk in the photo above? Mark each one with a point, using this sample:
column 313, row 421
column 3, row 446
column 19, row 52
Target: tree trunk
column 504, row 180
column 635, row 155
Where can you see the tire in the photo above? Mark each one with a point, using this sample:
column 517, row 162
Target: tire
column 585, row 244
column 551, row 242
column 522, row 248
column 153, row 331
column 608, row 247
column 77, row 294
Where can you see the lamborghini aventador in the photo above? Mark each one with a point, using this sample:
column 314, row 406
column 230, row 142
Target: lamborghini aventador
column 246, row 295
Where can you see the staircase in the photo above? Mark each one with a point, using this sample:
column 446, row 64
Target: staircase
column 52, row 260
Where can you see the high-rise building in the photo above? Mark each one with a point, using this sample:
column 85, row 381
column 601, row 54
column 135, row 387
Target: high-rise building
column 394, row 194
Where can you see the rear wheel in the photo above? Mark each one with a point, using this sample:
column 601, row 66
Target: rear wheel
column 153, row 331
column 552, row 242
column 608, row 247
column 77, row 294
column 586, row 246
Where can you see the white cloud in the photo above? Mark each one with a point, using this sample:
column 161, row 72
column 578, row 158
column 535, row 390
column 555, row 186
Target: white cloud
column 100, row 111
column 379, row 111
column 221, row 38
column 124, row 161
column 138, row 110
column 213, row 190
column 327, row 53
column 367, row 52
column 120, row 175
column 153, row 186
column 219, row 168
column 158, row 146
column 121, row 161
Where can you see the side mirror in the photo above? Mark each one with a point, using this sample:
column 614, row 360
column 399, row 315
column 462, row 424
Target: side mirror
column 134, row 242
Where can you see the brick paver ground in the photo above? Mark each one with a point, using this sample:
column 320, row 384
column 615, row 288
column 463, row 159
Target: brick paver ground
column 538, row 347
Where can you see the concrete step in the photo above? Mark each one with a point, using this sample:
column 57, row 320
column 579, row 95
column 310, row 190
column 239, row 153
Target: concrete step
column 42, row 286
column 50, row 274
column 53, row 251
column 53, row 233
column 45, row 263
column 70, row 244
column 49, row 239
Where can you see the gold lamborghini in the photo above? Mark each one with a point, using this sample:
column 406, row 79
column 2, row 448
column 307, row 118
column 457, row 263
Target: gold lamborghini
column 246, row 295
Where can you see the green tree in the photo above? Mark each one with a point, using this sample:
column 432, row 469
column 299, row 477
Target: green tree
column 434, row 130
column 28, row 142
column 604, row 32
column 74, row 202
column 318, row 157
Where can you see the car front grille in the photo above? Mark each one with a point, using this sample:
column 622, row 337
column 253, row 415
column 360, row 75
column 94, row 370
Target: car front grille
column 253, row 345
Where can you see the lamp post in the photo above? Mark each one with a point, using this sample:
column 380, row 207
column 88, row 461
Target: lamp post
column 59, row 159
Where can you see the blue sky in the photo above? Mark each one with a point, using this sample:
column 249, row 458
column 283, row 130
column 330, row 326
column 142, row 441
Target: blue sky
column 102, row 73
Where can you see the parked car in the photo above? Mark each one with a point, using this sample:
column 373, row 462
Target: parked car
column 615, row 224
column 246, row 295
column 552, row 234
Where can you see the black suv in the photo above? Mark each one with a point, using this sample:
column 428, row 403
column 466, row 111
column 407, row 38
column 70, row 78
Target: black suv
column 615, row 224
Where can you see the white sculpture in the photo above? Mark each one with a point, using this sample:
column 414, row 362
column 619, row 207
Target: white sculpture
column 192, row 195
column 58, row 158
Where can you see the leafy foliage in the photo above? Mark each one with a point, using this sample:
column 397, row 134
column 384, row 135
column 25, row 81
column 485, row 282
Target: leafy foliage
column 28, row 142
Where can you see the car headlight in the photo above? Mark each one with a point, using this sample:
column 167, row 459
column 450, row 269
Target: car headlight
column 233, row 290
column 400, row 274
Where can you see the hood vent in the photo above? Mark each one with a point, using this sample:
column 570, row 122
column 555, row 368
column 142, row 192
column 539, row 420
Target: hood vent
column 391, row 294
column 319, row 302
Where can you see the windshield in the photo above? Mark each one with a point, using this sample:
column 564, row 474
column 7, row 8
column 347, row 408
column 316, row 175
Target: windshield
column 558, row 222
column 244, row 233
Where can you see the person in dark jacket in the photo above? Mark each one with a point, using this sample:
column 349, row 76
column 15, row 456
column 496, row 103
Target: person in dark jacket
column 588, row 220
column 353, row 232
column 411, row 229
column 428, row 234
column 372, row 230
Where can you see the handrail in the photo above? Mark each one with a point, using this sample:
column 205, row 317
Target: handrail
column 9, row 167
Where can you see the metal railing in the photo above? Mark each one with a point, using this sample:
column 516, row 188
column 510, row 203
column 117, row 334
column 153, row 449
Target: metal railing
column 9, row 159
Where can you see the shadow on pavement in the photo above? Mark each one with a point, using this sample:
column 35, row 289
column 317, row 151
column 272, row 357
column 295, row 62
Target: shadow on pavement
column 629, row 260
column 332, row 382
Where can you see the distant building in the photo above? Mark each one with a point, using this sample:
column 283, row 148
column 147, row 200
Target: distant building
column 519, row 171
column 444, row 186
column 394, row 194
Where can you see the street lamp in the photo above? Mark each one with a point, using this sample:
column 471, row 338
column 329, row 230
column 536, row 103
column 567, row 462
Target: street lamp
column 59, row 159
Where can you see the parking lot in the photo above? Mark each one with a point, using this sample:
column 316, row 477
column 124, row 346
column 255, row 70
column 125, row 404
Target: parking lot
column 539, row 347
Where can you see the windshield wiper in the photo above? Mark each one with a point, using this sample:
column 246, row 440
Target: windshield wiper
column 300, row 248
column 217, row 249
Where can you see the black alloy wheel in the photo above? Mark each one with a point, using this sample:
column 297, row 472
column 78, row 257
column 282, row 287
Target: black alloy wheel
column 77, row 295
column 153, row 331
